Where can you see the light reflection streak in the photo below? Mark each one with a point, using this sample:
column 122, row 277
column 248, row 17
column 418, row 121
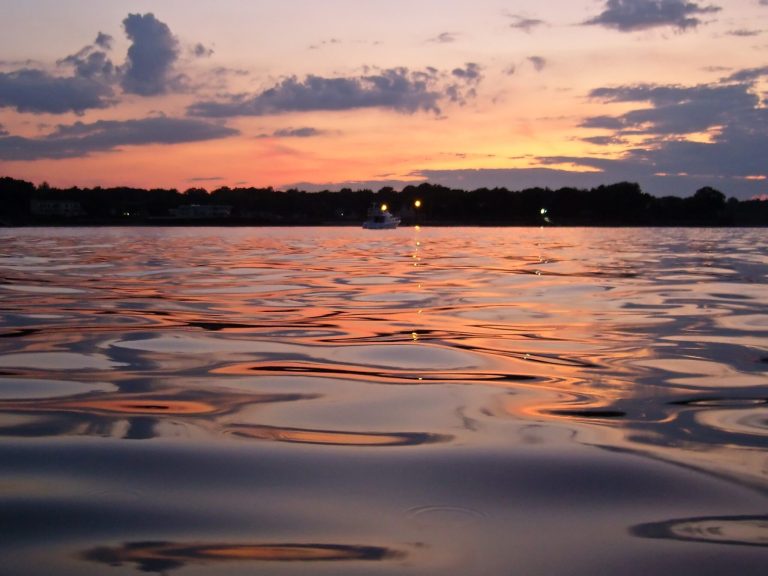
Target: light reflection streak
column 163, row 556
column 335, row 438
column 171, row 402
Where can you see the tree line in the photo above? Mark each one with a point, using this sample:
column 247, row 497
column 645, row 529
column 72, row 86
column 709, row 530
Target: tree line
column 620, row 204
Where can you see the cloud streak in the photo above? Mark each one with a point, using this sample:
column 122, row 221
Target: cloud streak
column 744, row 33
column 445, row 38
column 199, row 50
column 35, row 91
column 83, row 139
column 399, row 89
column 306, row 132
column 538, row 63
column 674, row 109
column 633, row 15
column 527, row 25
column 303, row 132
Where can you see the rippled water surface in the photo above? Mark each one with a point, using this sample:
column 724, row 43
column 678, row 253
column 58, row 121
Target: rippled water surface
column 339, row 401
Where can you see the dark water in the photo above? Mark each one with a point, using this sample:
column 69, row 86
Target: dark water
column 341, row 401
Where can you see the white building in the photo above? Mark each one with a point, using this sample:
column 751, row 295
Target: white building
column 65, row 208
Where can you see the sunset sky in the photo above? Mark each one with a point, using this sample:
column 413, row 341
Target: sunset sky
column 672, row 94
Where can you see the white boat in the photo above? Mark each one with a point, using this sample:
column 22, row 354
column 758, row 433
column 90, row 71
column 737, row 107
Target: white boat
column 380, row 219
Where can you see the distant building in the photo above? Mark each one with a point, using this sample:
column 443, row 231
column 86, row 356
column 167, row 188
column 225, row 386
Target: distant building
column 63, row 208
column 201, row 211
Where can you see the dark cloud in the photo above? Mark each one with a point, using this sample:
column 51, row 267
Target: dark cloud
column 104, row 41
column 149, row 69
column 729, row 111
column 38, row 92
column 525, row 24
column 305, row 132
column 737, row 152
column 90, row 86
column 82, row 139
column 538, row 63
column 674, row 109
column 201, row 51
column 631, row 15
column 92, row 61
column 218, row 77
column 604, row 140
column 205, row 179
column 467, row 80
column 398, row 89
column 747, row 75
column 731, row 159
column 445, row 38
column 744, row 33
column 325, row 43
column 26, row 63
column 92, row 65
column 223, row 71
column 470, row 73
column 605, row 122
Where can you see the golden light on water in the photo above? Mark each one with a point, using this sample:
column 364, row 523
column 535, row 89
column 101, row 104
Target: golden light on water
column 181, row 554
column 498, row 356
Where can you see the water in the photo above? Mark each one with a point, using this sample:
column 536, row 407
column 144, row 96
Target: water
column 334, row 401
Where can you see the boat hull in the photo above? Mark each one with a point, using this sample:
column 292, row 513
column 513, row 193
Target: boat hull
column 381, row 225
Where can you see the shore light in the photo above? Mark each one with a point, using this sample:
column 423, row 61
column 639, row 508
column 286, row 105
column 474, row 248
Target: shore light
column 417, row 204
column 384, row 207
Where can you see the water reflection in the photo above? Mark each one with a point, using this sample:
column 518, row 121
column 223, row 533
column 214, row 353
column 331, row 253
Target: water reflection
column 130, row 414
column 738, row 530
column 336, row 438
column 443, row 387
column 162, row 557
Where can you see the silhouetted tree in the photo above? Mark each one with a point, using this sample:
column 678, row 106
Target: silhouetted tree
column 15, row 196
column 622, row 203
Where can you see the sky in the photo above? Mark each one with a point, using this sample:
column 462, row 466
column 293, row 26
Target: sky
column 316, row 94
